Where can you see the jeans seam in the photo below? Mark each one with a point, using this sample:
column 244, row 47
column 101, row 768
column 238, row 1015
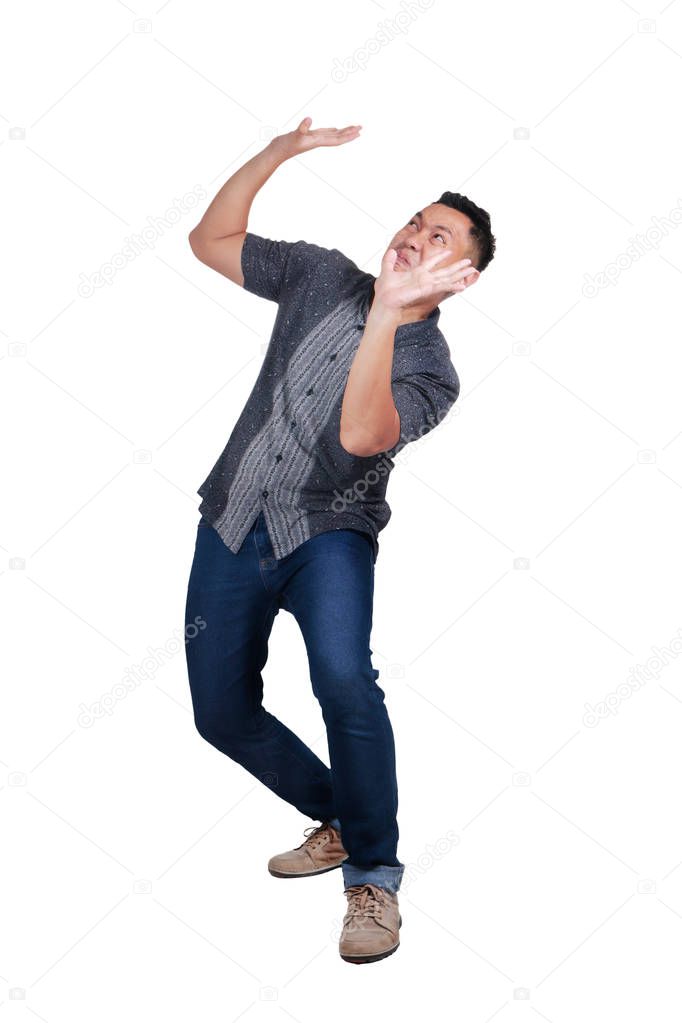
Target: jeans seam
column 318, row 777
column 275, row 724
column 372, row 669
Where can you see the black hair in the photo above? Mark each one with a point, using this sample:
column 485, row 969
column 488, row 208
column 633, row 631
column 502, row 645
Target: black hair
column 481, row 237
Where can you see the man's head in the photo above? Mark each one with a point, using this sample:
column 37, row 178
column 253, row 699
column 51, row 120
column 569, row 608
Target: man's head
column 451, row 224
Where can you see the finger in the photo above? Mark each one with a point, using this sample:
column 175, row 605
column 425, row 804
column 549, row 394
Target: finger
column 434, row 260
column 338, row 140
column 457, row 286
column 388, row 262
column 335, row 132
column 448, row 275
column 342, row 142
column 453, row 286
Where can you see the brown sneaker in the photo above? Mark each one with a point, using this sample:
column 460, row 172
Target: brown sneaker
column 321, row 851
column 370, row 926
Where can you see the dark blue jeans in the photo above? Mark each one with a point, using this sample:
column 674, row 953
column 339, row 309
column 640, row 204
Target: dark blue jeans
column 327, row 584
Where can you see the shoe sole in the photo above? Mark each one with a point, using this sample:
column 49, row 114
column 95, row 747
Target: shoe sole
column 306, row 873
column 359, row 960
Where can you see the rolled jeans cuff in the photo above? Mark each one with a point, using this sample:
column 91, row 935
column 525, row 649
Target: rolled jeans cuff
column 382, row 876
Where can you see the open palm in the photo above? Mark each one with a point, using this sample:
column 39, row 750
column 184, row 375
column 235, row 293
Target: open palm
column 396, row 289
column 303, row 138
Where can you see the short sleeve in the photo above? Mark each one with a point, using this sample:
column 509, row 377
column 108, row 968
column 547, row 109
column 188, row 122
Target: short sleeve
column 271, row 266
column 423, row 398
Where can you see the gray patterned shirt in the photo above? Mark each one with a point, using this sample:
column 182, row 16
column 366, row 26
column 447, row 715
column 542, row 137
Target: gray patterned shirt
column 284, row 456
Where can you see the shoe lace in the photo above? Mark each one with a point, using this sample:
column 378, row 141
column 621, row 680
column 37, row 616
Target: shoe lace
column 365, row 900
column 317, row 836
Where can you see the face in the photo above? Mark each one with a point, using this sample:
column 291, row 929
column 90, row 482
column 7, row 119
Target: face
column 436, row 229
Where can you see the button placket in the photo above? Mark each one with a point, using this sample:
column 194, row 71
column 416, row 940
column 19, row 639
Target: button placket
column 293, row 422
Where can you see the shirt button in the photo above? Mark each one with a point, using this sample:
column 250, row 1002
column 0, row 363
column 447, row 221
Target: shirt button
column 265, row 493
column 309, row 391
column 278, row 458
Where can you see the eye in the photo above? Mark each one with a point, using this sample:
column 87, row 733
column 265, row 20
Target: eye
column 437, row 235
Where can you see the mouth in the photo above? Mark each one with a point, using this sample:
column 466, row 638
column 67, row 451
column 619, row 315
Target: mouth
column 402, row 260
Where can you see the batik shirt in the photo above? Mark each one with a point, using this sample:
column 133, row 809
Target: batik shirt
column 284, row 456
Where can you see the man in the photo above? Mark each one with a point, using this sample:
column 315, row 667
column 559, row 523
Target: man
column 355, row 369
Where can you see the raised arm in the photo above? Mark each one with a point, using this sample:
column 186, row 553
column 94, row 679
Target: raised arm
column 218, row 237
column 370, row 421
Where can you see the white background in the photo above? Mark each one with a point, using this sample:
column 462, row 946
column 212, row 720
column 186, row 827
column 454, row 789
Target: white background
column 531, row 566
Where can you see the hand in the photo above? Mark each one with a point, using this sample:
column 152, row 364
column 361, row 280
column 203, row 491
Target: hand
column 301, row 139
column 395, row 289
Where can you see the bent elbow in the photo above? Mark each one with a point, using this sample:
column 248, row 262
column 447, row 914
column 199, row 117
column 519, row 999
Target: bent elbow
column 351, row 444
column 355, row 447
column 364, row 443
column 347, row 444
column 194, row 242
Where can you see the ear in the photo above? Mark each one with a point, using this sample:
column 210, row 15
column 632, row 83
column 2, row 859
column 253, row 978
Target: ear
column 471, row 279
column 468, row 281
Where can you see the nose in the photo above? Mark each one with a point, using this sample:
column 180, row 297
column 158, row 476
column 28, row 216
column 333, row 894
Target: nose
column 415, row 241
